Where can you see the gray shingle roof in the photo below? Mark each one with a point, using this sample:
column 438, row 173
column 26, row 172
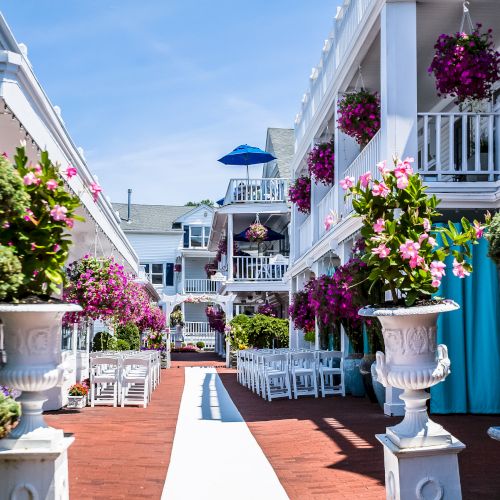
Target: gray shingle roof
column 281, row 143
column 150, row 218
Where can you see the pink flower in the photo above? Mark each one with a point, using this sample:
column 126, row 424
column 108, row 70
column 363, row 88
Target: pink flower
column 436, row 283
column 409, row 249
column 379, row 226
column 478, row 229
column 70, row 172
column 33, row 246
column 6, row 225
column 29, row 179
column 403, row 168
column 365, row 179
column 329, row 221
column 52, row 184
column 38, row 170
column 58, row 212
column 383, row 168
column 382, row 251
column 402, row 182
column 29, row 215
column 432, row 242
column 417, row 261
column 459, row 269
column 427, row 225
column 347, row 182
column 95, row 190
column 380, row 189
column 69, row 222
column 437, row 269
column 56, row 248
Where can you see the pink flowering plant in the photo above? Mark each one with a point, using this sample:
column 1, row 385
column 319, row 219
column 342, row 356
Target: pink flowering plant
column 39, row 237
column 300, row 194
column 216, row 318
column 301, row 311
column 402, row 251
column 256, row 232
column 267, row 310
column 359, row 115
column 321, row 162
column 466, row 66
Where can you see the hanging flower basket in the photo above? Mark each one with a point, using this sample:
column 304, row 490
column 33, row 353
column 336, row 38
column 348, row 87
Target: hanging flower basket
column 210, row 268
column 178, row 268
column 320, row 162
column 300, row 194
column 267, row 310
column 359, row 115
column 256, row 232
column 466, row 66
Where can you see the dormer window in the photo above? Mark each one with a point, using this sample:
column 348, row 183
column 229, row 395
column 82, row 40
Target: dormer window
column 196, row 236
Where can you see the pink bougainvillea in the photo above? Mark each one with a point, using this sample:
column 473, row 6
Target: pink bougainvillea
column 267, row 310
column 321, row 161
column 216, row 318
column 300, row 194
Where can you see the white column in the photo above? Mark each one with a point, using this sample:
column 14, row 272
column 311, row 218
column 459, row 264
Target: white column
column 398, row 71
column 183, row 275
column 229, row 252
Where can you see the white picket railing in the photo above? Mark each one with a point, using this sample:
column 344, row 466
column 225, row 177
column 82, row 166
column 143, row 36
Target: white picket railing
column 325, row 207
column 200, row 286
column 366, row 161
column 305, row 235
column 259, row 268
column 256, row 191
column 459, row 146
column 199, row 331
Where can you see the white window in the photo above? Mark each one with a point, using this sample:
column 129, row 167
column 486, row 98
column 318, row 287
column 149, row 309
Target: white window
column 160, row 274
column 198, row 236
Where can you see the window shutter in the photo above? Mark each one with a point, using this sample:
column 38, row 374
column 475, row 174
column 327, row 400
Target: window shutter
column 186, row 236
column 169, row 274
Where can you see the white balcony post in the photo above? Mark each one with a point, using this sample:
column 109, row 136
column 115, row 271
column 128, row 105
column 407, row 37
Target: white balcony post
column 229, row 252
column 336, row 172
column 398, row 72
column 183, row 275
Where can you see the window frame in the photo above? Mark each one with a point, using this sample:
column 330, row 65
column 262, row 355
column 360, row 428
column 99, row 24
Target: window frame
column 205, row 235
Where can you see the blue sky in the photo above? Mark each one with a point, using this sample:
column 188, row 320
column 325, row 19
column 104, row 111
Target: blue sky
column 155, row 91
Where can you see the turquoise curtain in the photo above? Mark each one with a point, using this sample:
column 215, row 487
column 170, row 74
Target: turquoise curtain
column 472, row 335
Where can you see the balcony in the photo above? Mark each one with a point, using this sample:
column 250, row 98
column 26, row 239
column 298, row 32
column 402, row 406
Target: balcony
column 256, row 191
column 199, row 331
column 259, row 268
column 305, row 236
column 200, row 286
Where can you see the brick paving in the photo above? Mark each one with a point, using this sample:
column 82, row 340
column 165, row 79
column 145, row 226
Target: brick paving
column 320, row 449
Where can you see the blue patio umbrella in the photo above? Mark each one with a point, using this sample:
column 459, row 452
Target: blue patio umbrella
column 271, row 235
column 247, row 155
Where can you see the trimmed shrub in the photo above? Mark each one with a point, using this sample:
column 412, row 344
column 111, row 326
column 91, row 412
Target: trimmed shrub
column 258, row 331
column 122, row 345
column 104, row 341
column 11, row 275
column 200, row 345
column 129, row 333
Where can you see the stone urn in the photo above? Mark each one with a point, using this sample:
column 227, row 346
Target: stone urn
column 413, row 362
column 32, row 342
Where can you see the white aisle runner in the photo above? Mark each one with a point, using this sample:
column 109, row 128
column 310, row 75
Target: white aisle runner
column 214, row 455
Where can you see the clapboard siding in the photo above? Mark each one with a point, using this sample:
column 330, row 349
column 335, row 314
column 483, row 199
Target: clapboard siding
column 195, row 268
column 201, row 217
column 194, row 312
column 156, row 247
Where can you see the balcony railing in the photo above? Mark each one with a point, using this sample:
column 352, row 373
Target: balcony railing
column 256, row 191
column 305, row 235
column 200, row 286
column 325, row 207
column 459, row 147
column 259, row 268
column 199, row 331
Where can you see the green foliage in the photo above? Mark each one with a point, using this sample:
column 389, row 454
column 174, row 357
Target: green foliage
column 104, row 341
column 14, row 198
column 130, row 334
column 207, row 202
column 11, row 276
column 239, row 331
column 494, row 238
column 200, row 345
column 262, row 330
column 122, row 345
column 176, row 318
column 310, row 337
column 10, row 412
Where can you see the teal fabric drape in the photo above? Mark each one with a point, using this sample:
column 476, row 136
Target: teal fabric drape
column 472, row 335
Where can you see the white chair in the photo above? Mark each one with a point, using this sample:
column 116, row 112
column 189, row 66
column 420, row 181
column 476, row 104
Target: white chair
column 136, row 379
column 331, row 369
column 304, row 375
column 104, row 372
column 275, row 376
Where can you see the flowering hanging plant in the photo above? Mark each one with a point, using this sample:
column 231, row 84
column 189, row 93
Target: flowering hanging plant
column 300, row 194
column 267, row 310
column 153, row 320
column 466, row 66
column 210, row 268
column 38, row 237
column 359, row 115
column 321, row 161
column 402, row 252
column 301, row 311
column 155, row 342
column 216, row 318
column 256, row 232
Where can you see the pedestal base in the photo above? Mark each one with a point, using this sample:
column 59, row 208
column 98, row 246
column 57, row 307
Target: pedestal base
column 425, row 473
column 37, row 473
column 393, row 406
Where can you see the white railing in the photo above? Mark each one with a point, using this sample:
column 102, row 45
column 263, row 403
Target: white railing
column 305, row 235
column 346, row 27
column 200, row 286
column 325, row 207
column 366, row 161
column 459, row 146
column 259, row 268
column 199, row 331
column 256, row 191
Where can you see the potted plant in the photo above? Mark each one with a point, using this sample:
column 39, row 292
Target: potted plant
column 299, row 193
column 38, row 236
column 10, row 413
column 321, row 162
column 404, row 259
column 257, row 232
column 77, row 395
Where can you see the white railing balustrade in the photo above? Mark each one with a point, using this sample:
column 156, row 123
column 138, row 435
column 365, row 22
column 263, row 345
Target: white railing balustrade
column 366, row 161
column 200, row 286
column 305, row 235
column 256, row 191
column 325, row 207
column 463, row 147
column 199, row 331
column 259, row 268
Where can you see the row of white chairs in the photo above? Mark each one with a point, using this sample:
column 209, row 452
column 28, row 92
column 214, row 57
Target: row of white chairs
column 123, row 377
column 278, row 373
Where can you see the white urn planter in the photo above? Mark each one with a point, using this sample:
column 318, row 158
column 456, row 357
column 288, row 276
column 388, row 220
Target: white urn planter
column 420, row 456
column 77, row 402
column 33, row 459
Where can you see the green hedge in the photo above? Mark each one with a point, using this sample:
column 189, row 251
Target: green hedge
column 104, row 341
column 258, row 331
column 130, row 334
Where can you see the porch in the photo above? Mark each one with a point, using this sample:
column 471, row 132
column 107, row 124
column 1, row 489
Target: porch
column 199, row 331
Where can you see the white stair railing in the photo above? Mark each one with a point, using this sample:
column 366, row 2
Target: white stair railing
column 199, row 331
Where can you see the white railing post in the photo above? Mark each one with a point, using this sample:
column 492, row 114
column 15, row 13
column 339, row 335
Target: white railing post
column 229, row 250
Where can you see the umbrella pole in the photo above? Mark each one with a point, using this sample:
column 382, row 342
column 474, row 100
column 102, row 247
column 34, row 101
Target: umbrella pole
column 248, row 177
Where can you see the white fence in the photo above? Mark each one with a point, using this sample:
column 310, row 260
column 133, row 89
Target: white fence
column 199, row 331
column 200, row 286
column 459, row 146
column 325, row 207
column 259, row 268
column 256, row 191
column 305, row 235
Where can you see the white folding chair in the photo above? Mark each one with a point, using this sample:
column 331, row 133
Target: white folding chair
column 104, row 372
column 304, row 375
column 276, row 377
column 330, row 371
column 135, row 381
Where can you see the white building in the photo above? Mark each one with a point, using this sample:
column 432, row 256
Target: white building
column 457, row 153
column 172, row 245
